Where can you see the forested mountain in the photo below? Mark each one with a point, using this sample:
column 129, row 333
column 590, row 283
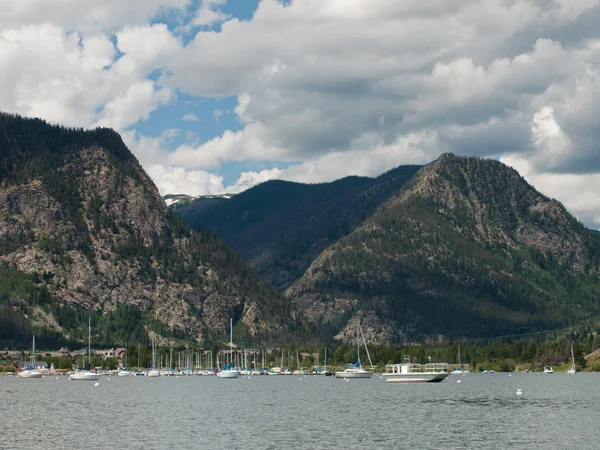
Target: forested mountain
column 466, row 248
column 280, row 227
column 83, row 230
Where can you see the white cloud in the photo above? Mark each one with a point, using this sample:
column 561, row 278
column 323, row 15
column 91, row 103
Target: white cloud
column 217, row 114
column 176, row 180
column 209, row 13
column 249, row 179
column 85, row 15
column 190, row 118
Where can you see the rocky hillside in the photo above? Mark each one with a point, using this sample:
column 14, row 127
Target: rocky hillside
column 280, row 227
column 467, row 248
column 84, row 229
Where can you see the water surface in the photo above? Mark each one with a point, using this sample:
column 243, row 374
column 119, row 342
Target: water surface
column 282, row 412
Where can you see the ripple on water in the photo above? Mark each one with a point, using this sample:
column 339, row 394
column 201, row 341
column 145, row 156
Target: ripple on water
column 279, row 412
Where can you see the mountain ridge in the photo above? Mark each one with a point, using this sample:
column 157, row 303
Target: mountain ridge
column 80, row 216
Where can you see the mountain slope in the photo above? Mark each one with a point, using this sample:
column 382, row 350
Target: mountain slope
column 280, row 227
column 466, row 248
column 83, row 228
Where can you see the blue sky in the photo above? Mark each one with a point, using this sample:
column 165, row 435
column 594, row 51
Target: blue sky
column 220, row 95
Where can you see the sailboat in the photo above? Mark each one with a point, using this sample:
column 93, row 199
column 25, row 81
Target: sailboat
column 572, row 369
column 229, row 371
column 85, row 373
column 355, row 370
column 154, row 372
column 458, row 370
column 30, row 372
column 124, row 372
column 326, row 372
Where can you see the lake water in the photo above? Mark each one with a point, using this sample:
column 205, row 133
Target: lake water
column 285, row 412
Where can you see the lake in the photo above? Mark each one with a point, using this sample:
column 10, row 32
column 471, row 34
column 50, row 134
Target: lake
column 283, row 412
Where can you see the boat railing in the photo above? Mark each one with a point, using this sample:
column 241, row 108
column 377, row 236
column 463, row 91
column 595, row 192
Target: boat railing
column 416, row 368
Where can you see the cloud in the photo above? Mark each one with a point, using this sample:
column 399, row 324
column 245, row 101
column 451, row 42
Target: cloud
column 209, row 13
column 86, row 16
column 190, row 118
column 177, row 180
column 217, row 114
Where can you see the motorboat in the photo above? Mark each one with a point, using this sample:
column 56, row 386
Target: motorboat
column 548, row 369
column 415, row 373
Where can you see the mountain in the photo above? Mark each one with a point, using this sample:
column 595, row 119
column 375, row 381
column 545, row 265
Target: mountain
column 280, row 227
column 83, row 230
column 466, row 248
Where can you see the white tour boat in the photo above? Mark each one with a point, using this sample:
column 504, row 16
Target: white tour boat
column 415, row 373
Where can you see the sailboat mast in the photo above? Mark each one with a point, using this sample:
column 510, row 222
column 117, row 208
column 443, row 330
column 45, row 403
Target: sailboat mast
column 358, row 344
column 231, row 340
column 33, row 354
column 89, row 341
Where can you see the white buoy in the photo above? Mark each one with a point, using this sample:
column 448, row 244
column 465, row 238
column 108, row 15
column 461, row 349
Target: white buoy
column 96, row 384
column 347, row 380
column 248, row 377
column 108, row 379
column 519, row 392
column 510, row 375
column 458, row 381
column 57, row 378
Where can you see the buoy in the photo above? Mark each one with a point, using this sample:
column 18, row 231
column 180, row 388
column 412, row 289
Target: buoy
column 97, row 384
column 510, row 375
column 57, row 378
column 458, row 381
column 347, row 380
column 519, row 392
column 248, row 377
column 108, row 379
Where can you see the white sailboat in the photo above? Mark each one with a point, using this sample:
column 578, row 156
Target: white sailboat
column 458, row 370
column 30, row 372
column 86, row 374
column 124, row 372
column 229, row 371
column 572, row 369
column 355, row 370
column 154, row 372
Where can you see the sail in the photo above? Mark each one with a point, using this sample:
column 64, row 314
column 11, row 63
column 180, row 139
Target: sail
column 356, row 364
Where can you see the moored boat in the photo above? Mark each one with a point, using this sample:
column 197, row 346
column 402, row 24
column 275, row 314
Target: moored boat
column 355, row 370
column 30, row 372
column 548, row 369
column 415, row 373
column 229, row 371
column 85, row 373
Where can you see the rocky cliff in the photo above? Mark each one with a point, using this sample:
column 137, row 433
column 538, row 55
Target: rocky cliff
column 85, row 224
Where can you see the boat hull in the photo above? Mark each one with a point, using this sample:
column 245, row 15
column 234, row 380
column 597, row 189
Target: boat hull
column 29, row 374
column 154, row 373
column 124, row 373
column 228, row 374
column 415, row 377
column 360, row 374
column 86, row 376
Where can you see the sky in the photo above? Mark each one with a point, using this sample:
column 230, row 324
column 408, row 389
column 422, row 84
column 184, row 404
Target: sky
column 216, row 96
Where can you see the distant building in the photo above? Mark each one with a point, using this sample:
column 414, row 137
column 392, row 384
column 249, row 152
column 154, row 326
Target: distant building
column 39, row 365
